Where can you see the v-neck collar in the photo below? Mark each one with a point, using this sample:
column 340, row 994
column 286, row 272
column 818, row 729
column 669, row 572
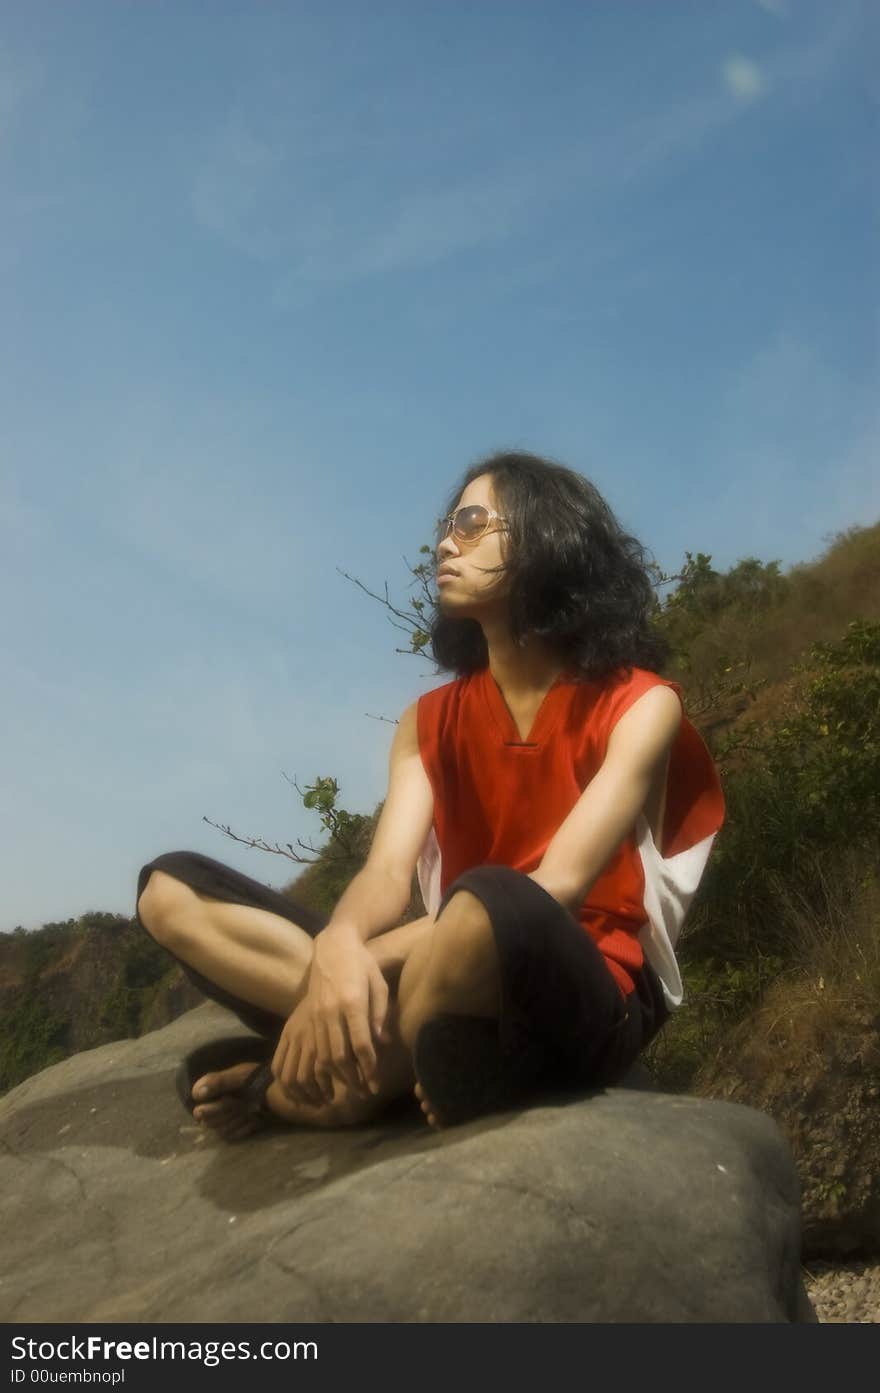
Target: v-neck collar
column 546, row 717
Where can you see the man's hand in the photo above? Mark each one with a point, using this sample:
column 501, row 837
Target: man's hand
column 331, row 1032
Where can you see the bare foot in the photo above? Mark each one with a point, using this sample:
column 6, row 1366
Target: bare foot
column 217, row 1106
column 229, row 1117
column 427, row 1107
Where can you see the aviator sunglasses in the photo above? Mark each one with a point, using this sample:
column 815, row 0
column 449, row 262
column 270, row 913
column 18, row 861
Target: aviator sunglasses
column 469, row 524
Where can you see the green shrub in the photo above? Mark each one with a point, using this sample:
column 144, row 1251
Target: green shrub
column 32, row 1038
column 810, row 785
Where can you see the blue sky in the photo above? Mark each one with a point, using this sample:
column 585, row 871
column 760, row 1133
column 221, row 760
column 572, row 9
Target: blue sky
column 273, row 275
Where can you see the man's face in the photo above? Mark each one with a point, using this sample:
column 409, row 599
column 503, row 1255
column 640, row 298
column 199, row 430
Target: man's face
column 468, row 591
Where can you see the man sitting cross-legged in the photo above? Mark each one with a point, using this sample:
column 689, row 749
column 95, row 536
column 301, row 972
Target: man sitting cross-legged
column 543, row 794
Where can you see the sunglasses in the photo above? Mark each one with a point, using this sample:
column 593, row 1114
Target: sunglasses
column 469, row 524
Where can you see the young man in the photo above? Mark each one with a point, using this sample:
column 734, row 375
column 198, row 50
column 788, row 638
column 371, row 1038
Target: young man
column 560, row 809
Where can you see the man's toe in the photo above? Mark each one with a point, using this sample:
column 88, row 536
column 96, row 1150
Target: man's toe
column 215, row 1114
column 204, row 1088
column 427, row 1107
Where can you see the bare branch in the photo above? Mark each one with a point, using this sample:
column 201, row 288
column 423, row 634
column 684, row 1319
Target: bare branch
column 413, row 622
column 401, row 614
column 404, row 628
column 260, row 845
column 422, row 573
column 325, row 854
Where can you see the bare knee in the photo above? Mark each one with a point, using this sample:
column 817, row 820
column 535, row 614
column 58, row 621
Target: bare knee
column 464, row 907
column 160, row 904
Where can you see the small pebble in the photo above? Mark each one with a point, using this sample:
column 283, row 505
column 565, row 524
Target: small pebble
column 848, row 1294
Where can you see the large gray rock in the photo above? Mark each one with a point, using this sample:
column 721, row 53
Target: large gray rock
column 626, row 1205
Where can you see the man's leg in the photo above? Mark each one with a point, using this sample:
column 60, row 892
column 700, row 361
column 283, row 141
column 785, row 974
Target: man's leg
column 453, row 970
column 263, row 958
column 255, row 954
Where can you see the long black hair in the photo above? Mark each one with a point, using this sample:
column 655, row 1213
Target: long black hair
column 577, row 580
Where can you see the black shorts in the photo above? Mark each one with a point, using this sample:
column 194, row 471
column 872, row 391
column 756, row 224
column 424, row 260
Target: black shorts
column 562, row 1012
column 559, row 1001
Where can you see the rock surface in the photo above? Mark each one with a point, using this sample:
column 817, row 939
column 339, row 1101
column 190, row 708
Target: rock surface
column 625, row 1205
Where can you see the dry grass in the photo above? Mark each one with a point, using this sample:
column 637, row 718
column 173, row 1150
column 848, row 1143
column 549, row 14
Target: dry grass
column 803, row 1024
column 832, row 925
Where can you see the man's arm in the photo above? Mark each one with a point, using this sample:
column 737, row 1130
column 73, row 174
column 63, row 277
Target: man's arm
column 332, row 1030
column 607, row 810
column 379, row 894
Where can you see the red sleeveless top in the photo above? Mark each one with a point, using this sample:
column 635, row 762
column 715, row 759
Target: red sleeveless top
column 498, row 800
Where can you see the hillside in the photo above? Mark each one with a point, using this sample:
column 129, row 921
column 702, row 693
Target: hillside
column 71, row 986
column 785, row 684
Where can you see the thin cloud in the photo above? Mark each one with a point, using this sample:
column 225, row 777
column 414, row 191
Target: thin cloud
column 743, row 78
column 372, row 223
column 425, row 228
column 347, row 240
